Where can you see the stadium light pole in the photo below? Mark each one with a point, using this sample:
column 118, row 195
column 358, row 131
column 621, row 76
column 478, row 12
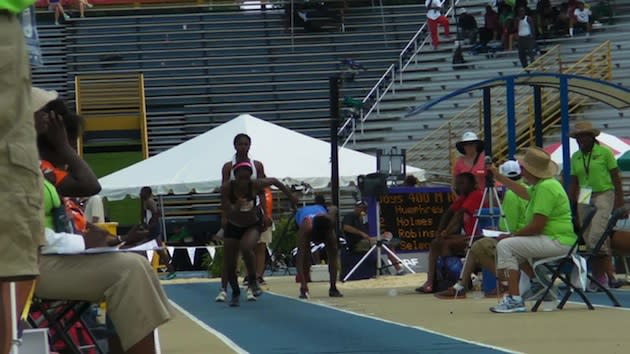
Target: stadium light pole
column 334, row 83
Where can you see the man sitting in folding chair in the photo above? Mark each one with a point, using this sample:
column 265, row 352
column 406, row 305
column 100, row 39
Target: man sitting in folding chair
column 548, row 229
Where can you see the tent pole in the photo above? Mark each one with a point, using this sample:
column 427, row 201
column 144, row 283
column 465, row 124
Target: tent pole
column 564, row 111
column 334, row 82
column 162, row 220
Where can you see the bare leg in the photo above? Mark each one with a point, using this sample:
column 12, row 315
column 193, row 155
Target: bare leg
column 261, row 257
column 230, row 257
column 303, row 261
column 333, row 260
column 145, row 346
column 247, row 245
column 23, row 289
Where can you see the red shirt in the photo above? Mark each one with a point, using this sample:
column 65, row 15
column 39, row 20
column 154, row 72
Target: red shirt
column 470, row 204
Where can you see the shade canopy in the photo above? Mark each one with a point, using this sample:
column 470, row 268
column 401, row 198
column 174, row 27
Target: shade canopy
column 195, row 165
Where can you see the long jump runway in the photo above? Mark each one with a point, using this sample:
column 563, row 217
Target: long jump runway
column 278, row 325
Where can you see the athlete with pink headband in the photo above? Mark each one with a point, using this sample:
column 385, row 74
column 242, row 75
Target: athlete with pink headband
column 241, row 217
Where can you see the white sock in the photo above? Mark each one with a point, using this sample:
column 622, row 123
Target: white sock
column 571, row 31
column 458, row 287
column 517, row 298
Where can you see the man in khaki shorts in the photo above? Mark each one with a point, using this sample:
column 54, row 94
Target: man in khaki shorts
column 21, row 220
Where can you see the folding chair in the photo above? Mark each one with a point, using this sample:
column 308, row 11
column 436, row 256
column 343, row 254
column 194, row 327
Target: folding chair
column 59, row 317
column 561, row 266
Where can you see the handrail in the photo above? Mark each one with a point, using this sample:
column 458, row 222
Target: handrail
column 469, row 119
column 373, row 98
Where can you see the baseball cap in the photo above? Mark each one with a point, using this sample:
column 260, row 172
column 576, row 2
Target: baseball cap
column 510, row 168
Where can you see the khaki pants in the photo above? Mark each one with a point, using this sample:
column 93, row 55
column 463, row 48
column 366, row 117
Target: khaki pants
column 603, row 202
column 136, row 302
column 21, row 198
column 513, row 251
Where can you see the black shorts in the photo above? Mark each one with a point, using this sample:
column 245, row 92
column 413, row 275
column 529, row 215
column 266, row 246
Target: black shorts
column 236, row 232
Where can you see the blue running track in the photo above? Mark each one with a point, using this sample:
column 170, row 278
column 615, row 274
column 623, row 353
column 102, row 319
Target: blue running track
column 279, row 325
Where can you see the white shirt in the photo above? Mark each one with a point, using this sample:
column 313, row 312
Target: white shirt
column 433, row 13
column 94, row 209
column 63, row 243
column 524, row 29
column 582, row 15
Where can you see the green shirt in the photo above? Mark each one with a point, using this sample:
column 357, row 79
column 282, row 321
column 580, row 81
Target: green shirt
column 514, row 208
column 51, row 200
column 599, row 162
column 548, row 198
column 15, row 6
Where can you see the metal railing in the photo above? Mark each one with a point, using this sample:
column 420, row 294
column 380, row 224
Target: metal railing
column 440, row 142
column 372, row 100
column 429, row 153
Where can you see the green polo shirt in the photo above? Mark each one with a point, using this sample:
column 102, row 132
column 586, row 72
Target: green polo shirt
column 15, row 6
column 514, row 208
column 598, row 162
column 51, row 200
column 548, row 198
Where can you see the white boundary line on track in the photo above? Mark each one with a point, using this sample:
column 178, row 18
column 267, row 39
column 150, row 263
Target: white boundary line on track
column 210, row 330
column 423, row 329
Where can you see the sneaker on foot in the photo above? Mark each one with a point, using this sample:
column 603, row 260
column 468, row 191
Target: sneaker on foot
column 222, row 297
column 66, row 17
column 615, row 283
column 400, row 272
column 261, row 281
column 89, row 5
column 250, row 295
column 256, row 290
column 334, row 293
column 509, row 305
column 304, row 293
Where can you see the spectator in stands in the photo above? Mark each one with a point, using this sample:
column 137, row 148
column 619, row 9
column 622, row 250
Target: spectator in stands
column 545, row 17
column 136, row 302
column 506, row 20
column 548, row 229
column 435, row 18
column 468, row 26
column 150, row 216
column 582, row 18
column 355, row 228
column 449, row 239
column 57, row 7
column 472, row 159
column 241, row 220
column 316, row 224
column 242, row 143
column 458, row 56
column 595, row 182
column 603, row 11
column 82, row 5
column 22, row 229
column 526, row 38
column 483, row 252
column 492, row 27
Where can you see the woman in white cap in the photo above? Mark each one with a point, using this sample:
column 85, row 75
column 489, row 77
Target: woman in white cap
column 595, row 182
column 548, row 230
column 472, row 159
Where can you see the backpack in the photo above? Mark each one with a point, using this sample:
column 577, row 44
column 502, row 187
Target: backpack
column 447, row 271
column 58, row 212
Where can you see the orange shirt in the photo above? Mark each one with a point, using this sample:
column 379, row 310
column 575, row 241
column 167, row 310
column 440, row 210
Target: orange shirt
column 55, row 176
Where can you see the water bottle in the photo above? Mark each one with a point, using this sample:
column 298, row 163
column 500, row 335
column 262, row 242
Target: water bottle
column 477, row 292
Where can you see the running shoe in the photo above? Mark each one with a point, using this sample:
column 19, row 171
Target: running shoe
column 222, row 297
column 234, row 302
column 509, row 305
column 250, row 295
column 304, row 293
column 334, row 293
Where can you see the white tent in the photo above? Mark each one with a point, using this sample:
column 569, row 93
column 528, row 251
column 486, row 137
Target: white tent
column 196, row 164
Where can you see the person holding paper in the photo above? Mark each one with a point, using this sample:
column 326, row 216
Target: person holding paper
column 136, row 302
column 548, row 230
column 595, row 182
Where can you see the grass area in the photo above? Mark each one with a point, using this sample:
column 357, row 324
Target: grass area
column 125, row 212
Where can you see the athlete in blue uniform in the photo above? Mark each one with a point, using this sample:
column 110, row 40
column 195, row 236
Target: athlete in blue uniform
column 316, row 223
